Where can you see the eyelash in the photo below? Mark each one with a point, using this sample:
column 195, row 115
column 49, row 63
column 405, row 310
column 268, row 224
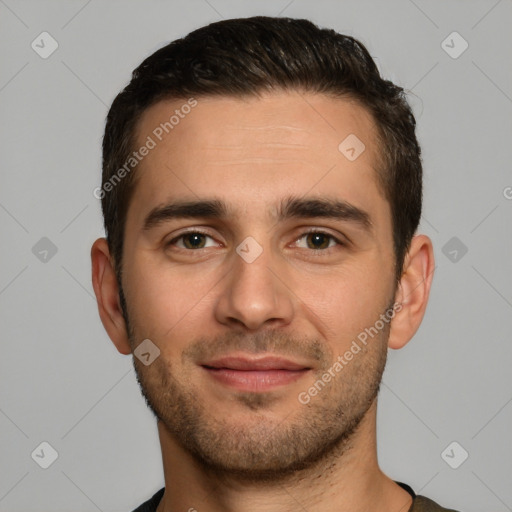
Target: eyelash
column 316, row 252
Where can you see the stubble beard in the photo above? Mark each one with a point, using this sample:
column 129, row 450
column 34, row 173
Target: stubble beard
column 263, row 450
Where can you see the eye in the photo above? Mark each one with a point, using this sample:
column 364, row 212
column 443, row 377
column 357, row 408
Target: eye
column 191, row 240
column 319, row 241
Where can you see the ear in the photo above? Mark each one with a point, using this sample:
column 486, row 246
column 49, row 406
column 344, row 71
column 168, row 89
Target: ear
column 107, row 295
column 413, row 291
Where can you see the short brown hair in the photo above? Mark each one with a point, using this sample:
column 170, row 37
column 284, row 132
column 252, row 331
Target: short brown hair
column 247, row 56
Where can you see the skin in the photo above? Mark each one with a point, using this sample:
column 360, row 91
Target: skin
column 227, row 450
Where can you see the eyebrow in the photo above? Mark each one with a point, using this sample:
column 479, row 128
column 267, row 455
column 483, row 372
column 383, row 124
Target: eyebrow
column 290, row 207
column 336, row 209
column 207, row 209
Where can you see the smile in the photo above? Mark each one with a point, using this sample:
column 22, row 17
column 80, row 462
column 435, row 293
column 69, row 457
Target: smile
column 249, row 374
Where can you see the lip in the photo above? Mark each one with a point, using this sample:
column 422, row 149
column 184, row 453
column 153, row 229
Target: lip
column 255, row 375
column 255, row 364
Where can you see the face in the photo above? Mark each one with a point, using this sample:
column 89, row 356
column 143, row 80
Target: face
column 256, row 253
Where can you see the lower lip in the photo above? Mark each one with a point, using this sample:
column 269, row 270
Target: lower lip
column 255, row 380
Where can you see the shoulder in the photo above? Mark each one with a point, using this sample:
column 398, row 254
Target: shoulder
column 422, row 504
column 152, row 504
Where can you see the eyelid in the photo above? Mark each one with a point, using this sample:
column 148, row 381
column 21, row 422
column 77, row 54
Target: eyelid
column 341, row 241
column 199, row 231
column 322, row 252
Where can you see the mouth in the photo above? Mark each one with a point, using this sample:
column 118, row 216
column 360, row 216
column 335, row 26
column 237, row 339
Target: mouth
column 256, row 375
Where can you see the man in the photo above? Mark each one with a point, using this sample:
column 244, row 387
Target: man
column 262, row 187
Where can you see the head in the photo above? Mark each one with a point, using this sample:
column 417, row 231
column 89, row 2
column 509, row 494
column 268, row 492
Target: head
column 245, row 124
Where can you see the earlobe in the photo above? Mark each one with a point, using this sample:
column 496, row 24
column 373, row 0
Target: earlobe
column 413, row 291
column 107, row 296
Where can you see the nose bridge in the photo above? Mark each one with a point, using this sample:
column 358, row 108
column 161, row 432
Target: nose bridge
column 254, row 293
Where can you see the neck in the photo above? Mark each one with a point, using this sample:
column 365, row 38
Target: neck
column 349, row 479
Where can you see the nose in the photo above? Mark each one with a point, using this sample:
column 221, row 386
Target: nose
column 254, row 294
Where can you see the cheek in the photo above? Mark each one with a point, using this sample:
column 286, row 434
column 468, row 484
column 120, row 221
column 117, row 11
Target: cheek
column 168, row 301
column 342, row 304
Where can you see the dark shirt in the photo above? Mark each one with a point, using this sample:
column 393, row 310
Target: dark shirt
column 419, row 503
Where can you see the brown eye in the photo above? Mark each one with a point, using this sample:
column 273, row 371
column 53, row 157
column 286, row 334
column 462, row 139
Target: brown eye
column 318, row 240
column 191, row 240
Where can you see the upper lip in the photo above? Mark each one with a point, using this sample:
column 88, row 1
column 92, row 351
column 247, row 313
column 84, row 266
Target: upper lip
column 248, row 364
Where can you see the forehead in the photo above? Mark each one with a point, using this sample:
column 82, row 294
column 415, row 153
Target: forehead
column 256, row 151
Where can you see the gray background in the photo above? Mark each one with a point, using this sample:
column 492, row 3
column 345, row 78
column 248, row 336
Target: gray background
column 63, row 382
